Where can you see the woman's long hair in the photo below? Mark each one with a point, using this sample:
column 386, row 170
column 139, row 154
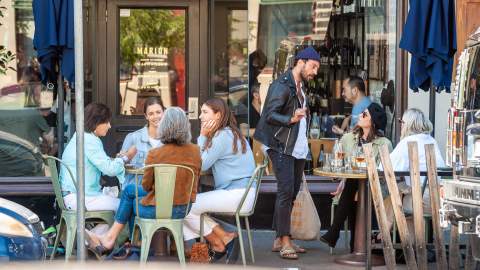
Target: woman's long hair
column 227, row 120
column 372, row 135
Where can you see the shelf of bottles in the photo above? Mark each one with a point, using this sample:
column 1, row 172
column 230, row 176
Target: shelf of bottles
column 463, row 131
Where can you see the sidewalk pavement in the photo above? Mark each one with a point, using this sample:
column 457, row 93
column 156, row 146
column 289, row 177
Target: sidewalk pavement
column 317, row 256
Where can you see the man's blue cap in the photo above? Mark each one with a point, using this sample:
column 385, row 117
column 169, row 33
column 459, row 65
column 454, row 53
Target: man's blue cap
column 308, row 53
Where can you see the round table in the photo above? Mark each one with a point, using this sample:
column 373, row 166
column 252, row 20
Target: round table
column 360, row 248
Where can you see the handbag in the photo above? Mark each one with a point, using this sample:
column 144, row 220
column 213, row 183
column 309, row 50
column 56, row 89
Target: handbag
column 200, row 253
column 305, row 222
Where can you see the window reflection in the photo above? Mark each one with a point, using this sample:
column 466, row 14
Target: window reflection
column 230, row 79
column 152, row 58
column 27, row 118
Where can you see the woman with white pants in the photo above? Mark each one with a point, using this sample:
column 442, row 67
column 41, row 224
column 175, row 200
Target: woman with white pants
column 97, row 162
column 226, row 151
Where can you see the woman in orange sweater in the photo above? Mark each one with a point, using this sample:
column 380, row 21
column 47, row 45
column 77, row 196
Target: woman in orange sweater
column 174, row 131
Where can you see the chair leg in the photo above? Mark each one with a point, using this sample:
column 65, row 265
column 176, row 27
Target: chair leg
column 71, row 233
column 145, row 248
column 394, row 231
column 202, row 218
column 178, row 236
column 250, row 242
column 240, row 239
column 136, row 234
column 332, row 212
column 57, row 238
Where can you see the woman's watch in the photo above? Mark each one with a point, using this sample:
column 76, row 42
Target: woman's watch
column 124, row 158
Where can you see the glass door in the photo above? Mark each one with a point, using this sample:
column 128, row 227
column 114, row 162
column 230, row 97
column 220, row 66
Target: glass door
column 151, row 50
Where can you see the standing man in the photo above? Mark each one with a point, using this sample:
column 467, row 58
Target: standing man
column 353, row 91
column 282, row 128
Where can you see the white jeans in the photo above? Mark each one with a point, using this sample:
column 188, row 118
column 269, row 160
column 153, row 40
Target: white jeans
column 93, row 203
column 214, row 201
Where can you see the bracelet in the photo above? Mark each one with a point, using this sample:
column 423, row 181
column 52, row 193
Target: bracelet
column 124, row 158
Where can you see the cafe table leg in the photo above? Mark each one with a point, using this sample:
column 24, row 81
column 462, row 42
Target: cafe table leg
column 359, row 255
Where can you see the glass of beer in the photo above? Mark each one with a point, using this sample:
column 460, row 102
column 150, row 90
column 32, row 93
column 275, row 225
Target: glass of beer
column 360, row 161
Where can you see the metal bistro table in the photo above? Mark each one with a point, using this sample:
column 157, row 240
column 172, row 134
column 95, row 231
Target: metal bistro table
column 361, row 255
column 361, row 248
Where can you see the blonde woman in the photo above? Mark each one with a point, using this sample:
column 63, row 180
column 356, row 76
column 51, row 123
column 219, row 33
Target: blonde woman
column 415, row 127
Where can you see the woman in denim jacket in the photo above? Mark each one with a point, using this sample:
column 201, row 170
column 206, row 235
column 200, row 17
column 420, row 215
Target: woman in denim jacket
column 147, row 137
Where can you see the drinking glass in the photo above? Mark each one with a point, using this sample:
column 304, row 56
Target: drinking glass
column 360, row 158
column 347, row 163
column 327, row 163
column 314, row 133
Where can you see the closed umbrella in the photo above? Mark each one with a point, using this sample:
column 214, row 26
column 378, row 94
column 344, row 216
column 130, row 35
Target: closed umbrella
column 58, row 26
column 430, row 36
column 54, row 39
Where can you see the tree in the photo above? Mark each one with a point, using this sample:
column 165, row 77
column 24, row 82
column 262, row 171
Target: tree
column 6, row 56
column 150, row 28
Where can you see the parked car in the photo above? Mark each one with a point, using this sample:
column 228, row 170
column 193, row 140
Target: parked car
column 20, row 233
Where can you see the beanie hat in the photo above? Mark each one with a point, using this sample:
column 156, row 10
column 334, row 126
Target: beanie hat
column 378, row 115
column 308, row 53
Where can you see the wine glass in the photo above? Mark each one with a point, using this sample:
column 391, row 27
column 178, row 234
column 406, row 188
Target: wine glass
column 360, row 157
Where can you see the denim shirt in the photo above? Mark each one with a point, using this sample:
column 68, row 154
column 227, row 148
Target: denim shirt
column 139, row 138
column 230, row 171
column 96, row 163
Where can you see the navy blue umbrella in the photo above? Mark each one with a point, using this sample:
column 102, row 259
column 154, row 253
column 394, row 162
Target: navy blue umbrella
column 54, row 39
column 430, row 36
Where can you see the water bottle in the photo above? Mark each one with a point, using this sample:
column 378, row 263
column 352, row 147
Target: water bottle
column 315, row 127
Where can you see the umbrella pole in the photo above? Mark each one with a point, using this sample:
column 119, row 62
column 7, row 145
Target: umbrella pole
column 60, row 115
column 431, row 108
column 79, row 114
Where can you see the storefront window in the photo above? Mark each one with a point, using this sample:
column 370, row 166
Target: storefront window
column 229, row 57
column 27, row 114
column 335, row 29
column 381, row 49
column 353, row 38
column 152, row 58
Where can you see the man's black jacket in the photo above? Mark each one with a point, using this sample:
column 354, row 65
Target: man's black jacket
column 274, row 129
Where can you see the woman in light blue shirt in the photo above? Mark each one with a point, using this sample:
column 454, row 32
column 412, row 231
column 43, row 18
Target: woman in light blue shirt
column 97, row 162
column 147, row 137
column 226, row 151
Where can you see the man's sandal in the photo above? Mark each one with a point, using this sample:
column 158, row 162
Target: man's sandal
column 297, row 248
column 288, row 253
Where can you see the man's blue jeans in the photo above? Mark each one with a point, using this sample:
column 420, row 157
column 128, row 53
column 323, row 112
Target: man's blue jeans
column 127, row 211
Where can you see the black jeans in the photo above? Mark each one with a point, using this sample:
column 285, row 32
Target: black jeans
column 288, row 171
column 346, row 208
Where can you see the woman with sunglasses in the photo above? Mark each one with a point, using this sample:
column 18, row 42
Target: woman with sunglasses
column 369, row 129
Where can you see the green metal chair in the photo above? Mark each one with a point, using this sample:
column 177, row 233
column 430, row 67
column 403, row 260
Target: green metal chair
column 68, row 219
column 165, row 178
column 256, row 178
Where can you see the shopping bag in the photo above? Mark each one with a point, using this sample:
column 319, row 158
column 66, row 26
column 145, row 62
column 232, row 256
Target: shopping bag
column 305, row 222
